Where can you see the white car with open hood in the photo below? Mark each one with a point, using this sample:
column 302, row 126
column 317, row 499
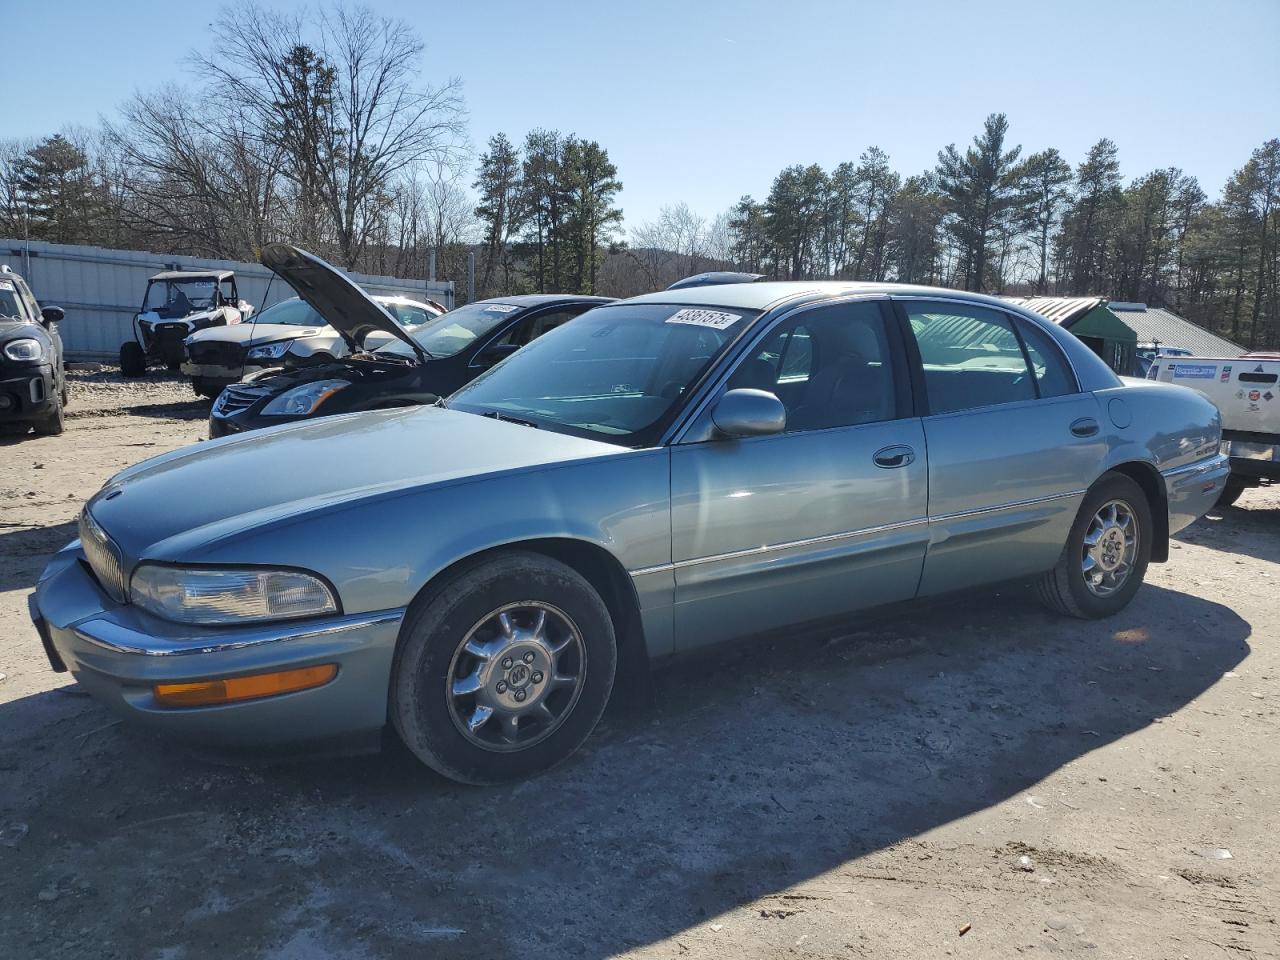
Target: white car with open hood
column 289, row 333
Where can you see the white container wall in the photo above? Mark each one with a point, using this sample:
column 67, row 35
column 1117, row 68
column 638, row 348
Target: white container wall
column 101, row 289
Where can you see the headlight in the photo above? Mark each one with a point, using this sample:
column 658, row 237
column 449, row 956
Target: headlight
column 209, row 595
column 25, row 349
column 303, row 400
column 270, row 351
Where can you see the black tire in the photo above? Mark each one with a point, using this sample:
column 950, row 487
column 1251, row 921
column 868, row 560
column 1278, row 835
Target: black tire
column 53, row 424
column 1231, row 491
column 205, row 389
column 431, row 639
column 1063, row 589
column 133, row 361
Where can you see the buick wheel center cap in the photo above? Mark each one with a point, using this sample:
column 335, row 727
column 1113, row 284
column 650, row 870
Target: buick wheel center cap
column 518, row 676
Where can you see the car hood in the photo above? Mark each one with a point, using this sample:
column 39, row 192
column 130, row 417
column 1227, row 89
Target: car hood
column 351, row 311
column 253, row 335
column 179, row 505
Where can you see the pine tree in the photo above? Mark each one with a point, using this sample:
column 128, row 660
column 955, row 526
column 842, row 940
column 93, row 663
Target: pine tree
column 591, row 218
column 57, row 189
column 1087, row 222
column 500, row 208
column 1045, row 180
column 980, row 188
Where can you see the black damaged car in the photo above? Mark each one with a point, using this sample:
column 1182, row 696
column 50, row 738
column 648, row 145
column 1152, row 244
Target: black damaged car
column 433, row 361
column 33, row 388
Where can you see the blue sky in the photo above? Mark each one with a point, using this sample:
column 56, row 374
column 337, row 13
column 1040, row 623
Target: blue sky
column 703, row 102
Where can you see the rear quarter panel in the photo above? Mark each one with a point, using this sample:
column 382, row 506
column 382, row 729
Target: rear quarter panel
column 1166, row 426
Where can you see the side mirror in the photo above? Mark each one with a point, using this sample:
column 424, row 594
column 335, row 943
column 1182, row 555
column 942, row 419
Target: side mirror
column 499, row 351
column 749, row 413
column 51, row 315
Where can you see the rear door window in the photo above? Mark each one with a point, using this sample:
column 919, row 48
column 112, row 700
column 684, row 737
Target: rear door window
column 971, row 356
column 1053, row 377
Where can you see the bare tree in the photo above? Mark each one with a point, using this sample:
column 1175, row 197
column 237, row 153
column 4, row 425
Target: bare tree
column 338, row 95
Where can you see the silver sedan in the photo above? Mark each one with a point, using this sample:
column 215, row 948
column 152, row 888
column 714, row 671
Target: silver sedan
column 677, row 470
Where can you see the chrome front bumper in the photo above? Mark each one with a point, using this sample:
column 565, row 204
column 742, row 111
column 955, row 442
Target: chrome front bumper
column 118, row 652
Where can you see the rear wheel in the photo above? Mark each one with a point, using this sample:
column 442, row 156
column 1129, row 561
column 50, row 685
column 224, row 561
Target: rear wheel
column 503, row 670
column 133, row 361
column 1231, row 491
column 1107, row 552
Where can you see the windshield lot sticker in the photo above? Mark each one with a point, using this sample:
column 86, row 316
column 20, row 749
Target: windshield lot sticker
column 1195, row 371
column 6, row 284
column 705, row 318
column 1226, row 373
column 501, row 308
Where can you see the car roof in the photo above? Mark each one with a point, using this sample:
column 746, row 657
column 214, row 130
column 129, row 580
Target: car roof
column 8, row 271
column 764, row 295
column 538, row 299
column 193, row 275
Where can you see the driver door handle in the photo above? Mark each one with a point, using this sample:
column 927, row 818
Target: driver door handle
column 899, row 455
column 1084, row 427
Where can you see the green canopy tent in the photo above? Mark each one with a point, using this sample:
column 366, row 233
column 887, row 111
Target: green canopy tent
column 1089, row 319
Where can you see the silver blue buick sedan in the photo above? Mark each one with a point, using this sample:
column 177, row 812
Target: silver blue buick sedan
column 660, row 474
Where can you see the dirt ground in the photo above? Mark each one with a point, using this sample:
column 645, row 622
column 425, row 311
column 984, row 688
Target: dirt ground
column 975, row 779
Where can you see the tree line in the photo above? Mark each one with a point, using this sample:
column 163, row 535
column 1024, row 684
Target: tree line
column 989, row 218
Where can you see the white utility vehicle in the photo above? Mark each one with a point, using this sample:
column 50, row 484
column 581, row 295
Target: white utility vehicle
column 1246, row 392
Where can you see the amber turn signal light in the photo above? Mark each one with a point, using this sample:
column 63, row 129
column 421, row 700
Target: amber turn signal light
column 205, row 693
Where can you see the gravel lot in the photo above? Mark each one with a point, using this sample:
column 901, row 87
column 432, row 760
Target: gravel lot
column 976, row 779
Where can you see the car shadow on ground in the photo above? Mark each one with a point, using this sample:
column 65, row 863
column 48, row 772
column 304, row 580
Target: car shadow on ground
column 197, row 408
column 750, row 772
column 24, row 551
column 1243, row 528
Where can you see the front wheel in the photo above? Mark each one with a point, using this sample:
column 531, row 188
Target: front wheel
column 1107, row 552
column 503, row 670
column 133, row 360
column 53, row 424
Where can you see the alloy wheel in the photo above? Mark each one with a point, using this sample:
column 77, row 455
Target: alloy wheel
column 1110, row 548
column 516, row 676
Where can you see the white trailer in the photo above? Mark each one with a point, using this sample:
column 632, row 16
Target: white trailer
column 1246, row 391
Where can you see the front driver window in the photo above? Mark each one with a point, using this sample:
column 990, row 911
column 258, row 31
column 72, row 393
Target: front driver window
column 830, row 367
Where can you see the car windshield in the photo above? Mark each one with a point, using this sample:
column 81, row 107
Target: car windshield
column 173, row 299
column 295, row 313
column 10, row 303
column 616, row 373
column 451, row 333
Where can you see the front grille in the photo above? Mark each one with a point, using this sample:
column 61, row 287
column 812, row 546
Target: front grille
column 215, row 352
column 103, row 556
column 236, row 398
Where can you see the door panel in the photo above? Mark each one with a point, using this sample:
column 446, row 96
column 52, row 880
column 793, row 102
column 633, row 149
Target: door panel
column 796, row 527
column 1004, row 487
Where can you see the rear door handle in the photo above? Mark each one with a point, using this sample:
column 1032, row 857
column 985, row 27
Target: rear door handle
column 896, row 456
column 1084, row 427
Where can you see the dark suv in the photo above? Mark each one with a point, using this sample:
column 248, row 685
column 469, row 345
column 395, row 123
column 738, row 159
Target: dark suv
column 33, row 388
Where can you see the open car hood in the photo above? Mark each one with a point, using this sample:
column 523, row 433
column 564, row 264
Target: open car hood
column 347, row 308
